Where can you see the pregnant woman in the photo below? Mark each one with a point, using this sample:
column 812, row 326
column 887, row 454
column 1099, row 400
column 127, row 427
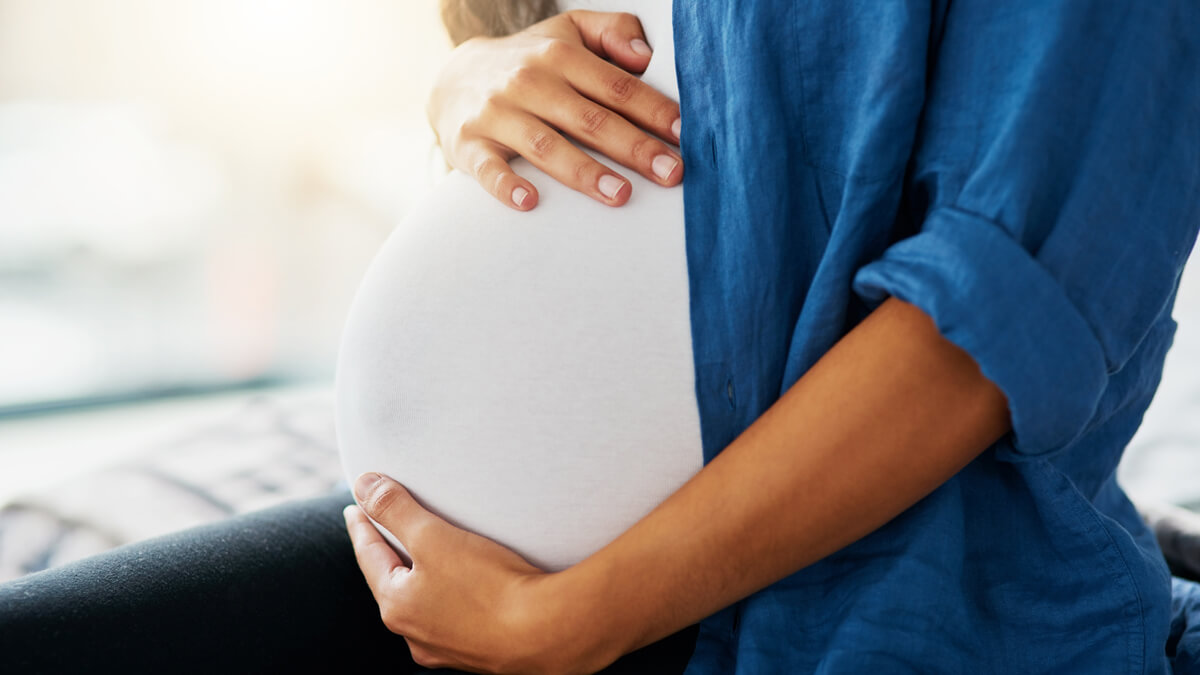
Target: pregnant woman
column 528, row 375
column 859, row 410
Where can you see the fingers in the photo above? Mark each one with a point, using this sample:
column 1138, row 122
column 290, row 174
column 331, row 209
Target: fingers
column 610, row 134
column 546, row 149
column 615, row 36
column 490, row 167
column 617, row 90
column 525, row 94
column 378, row 562
column 390, row 505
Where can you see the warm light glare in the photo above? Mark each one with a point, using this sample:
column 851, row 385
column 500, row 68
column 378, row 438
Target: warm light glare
column 190, row 190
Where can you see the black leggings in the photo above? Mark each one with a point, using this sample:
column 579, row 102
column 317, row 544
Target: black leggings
column 263, row 592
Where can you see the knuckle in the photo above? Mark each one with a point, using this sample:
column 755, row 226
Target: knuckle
column 483, row 167
column 490, row 176
column 628, row 21
column 622, row 87
column 470, row 127
column 541, row 143
column 492, row 109
column 478, row 124
column 422, row 657
column 497, row 186
column 584, row 173
column 644, row 149
column 594, row 119
column 382, row 497
column 522, row 80
column 391, row 618
column 664, row 113
column 553, row 50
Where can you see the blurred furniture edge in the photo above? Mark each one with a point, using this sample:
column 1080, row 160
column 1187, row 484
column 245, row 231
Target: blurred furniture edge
column 263, row 450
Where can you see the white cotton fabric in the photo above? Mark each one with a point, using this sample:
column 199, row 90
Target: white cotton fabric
column 529, row 376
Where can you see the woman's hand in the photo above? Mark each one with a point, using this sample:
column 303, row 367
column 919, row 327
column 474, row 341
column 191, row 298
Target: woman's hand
column 501, row 97
column 466, row 602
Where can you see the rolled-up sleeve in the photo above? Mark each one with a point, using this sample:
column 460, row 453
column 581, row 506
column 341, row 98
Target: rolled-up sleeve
column 1057, row 176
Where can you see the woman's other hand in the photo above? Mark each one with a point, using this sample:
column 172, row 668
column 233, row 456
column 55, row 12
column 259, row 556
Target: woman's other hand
column 466, row 602
column 498, row 98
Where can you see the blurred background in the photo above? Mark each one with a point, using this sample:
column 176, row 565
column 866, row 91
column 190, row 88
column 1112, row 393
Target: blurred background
column 190, row 191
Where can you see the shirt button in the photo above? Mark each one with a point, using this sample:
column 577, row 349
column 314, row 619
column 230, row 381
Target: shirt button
column 729, row 394
column 712, row 148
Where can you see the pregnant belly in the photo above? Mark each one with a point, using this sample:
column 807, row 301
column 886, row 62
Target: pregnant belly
column 528, row 376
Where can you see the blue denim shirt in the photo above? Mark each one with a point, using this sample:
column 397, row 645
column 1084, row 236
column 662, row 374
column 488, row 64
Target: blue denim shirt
column 1028, row 174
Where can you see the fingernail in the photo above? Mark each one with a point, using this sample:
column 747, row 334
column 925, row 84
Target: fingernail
column 610, row 185
column 663, row 165
column 640, row 47
column 362, row 486
column 676, row 127
column 518, row 196
column 348, row 511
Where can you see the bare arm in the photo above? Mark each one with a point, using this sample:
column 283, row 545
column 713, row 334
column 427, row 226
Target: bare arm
column 890, row 413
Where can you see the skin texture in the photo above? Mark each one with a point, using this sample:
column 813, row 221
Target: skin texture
column 497, row 98
column 890, row 413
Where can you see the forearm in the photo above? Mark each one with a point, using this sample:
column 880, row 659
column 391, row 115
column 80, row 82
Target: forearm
column 890, row 413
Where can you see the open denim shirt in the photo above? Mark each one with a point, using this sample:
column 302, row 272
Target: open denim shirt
column 1028, row 174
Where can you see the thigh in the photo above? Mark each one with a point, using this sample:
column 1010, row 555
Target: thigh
column 268, row 591
column 256, row 593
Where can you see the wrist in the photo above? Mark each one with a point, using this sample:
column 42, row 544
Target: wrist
column 567, row 625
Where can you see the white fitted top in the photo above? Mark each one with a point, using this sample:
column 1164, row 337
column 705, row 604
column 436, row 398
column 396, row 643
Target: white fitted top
column 528, row 376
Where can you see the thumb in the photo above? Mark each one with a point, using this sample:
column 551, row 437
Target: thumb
column 616, row 36
column 392, row 506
